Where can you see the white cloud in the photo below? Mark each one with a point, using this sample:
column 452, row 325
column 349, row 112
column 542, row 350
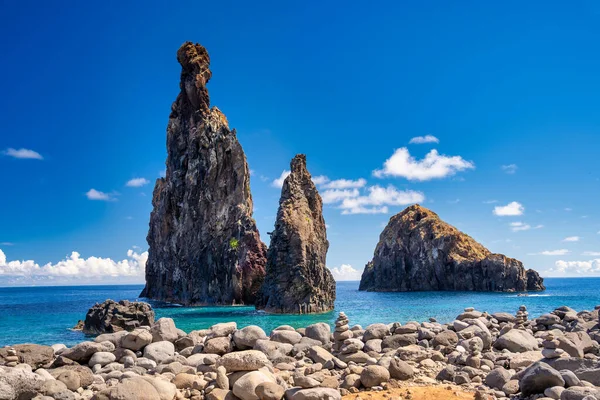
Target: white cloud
column 511, row 209
column 76, row 267
column 433, row 166
column 162, row 173
column 591, row 253
column 424, row 139
column 510, row 168
column 560, row 252
column 378, row 199
column 345, row 272
column 577, row 267
column 571, row 239
column 320, row 180
column 137, row 182
column 490, row 201
column 345, row 184
column 252, row 172
column 278, row 183
column 568, row 209
column 23, row 154
column 335, row 195
column 7, row 244
column 94, row 194
column 521, row 226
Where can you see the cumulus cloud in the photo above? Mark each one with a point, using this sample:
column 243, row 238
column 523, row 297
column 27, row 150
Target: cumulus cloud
column 94, row 194
column 511, row 209
column 137, row 182
column 510, row 168
column 571, row 239
column 521, row 226
column 278, row 183
column 560, row 252
column 424, row 139
column 336, row 195
column 320, row 180
column 23, row 154
column 345, row 184
column 76, row 267
column 433, row 166
column 345, row 272
column 590, row 267
column 378, row 198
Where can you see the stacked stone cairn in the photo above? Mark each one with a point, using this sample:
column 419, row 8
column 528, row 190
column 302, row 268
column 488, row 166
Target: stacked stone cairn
column 341, row 331
column 551, row 350
column 521, row 317
column 11, row 359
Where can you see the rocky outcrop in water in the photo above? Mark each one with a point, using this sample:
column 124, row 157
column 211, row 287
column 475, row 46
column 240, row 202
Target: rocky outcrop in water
column 204, row 246
column 297, row 279
column 110, row 316
column 417, row 251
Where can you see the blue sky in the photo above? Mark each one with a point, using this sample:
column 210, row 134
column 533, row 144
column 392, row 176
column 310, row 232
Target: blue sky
column 508, row 91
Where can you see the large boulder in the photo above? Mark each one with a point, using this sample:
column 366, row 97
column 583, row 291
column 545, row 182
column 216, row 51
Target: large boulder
column 159, row 351
column 497, row 378
column 400, row 369
column 317, row 394
column 111, row 316
column 538, row 377
column 130, row 389
column 297, row 280
column 136, row 340
column 245, row 387
column 516, row 341
column 319, row 331
column 164, row 329
column 417, row 251
column 19, row 384
column 445, row 338
column 374, row 375
column 246, row 337
column 376, row 331
column 83, row 351
column 204, row 246
column 33, row 354
column 248, row 360
column 273, row 350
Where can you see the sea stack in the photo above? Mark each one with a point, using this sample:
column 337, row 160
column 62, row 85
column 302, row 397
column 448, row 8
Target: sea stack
column 204, row 247
column 297, row 280
column 417, row 251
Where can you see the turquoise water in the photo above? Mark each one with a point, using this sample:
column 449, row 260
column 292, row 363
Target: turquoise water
column 44, row 314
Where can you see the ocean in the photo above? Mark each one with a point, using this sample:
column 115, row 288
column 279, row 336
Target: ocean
column 44, row 315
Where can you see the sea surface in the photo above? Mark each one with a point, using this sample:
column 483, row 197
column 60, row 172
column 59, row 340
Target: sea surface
column 44, row 314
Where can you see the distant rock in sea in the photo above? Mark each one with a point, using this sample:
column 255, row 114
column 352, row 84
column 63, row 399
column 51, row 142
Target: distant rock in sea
column 297, row 279
column 110, row 317
column 204, row 246
column 417, row 251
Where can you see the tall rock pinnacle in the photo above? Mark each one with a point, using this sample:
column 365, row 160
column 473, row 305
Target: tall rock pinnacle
column 297, row 280
column 204, row 244
column 417, row 251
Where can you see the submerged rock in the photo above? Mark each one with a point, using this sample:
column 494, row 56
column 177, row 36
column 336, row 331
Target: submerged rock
column 417, row 251
column 204, row 246
column 297, row 279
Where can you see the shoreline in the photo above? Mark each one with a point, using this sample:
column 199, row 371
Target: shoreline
column 496, row 355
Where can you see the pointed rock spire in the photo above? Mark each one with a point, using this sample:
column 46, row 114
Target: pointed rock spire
column 297, row 280
column 204, row 244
